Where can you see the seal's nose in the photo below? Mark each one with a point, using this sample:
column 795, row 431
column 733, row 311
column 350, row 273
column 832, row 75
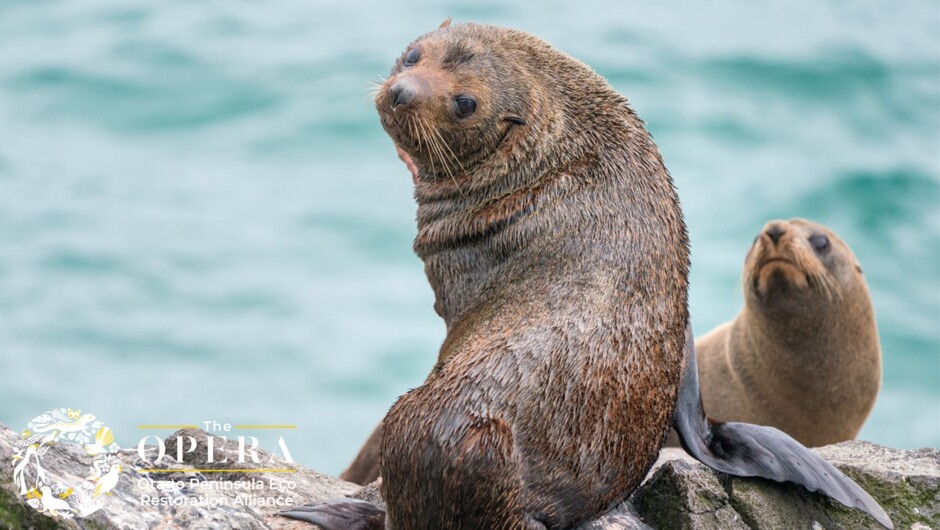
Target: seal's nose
column 774, row 231
column 402, row 92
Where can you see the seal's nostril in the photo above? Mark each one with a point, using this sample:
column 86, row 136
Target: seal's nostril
column 401, row 93
column 774, row 232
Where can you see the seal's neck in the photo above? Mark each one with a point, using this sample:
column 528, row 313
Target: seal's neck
column 547, row 212
column 470, row 242
column 800, row 347
column 551, row 187
column 472, row 228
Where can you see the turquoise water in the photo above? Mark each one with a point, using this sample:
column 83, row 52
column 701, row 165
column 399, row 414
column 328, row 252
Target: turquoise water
column 201, row 218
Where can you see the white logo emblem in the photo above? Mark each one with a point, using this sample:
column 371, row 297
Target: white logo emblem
column 51, row 492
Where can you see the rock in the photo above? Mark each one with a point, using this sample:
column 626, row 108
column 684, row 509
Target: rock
column 678, row 493
column 371, row 493
column 667, row 454
column 623, row 517
column 691, row 496
column 220, row 506
column 684, row 495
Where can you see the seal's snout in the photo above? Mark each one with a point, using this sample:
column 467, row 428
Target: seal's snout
column 780, row 263
column 775, row 230
column 402, row 93
column 773, row 244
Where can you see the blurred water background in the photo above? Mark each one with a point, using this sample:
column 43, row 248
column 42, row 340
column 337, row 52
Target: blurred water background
column 201, row 217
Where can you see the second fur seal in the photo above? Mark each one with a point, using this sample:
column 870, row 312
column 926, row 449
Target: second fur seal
column 553, row 239
column 803, row 355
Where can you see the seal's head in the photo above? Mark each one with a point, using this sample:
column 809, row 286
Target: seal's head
column 455, row 96
column 510, row 143
column 793, row 264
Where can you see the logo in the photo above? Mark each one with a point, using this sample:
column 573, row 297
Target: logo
column 206, row 455
column 57, row 492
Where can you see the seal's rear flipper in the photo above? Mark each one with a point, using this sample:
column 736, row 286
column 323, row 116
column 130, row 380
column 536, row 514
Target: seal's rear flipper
column 746, row 450
column 340, row 514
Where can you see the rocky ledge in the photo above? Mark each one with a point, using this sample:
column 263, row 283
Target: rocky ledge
column 678, row 494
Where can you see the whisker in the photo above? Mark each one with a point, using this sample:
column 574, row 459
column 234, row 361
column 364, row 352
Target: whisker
column 817, row 275
column 834, row 287
column 411, row 130
column 449, row 150
column 372, row 89
column 420, row 126
column 433, row 145
column 436, row 145
column 455, row 159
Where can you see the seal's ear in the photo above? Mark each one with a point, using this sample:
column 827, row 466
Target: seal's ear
column 514, row 118
column 858, row 267
column 444, row 24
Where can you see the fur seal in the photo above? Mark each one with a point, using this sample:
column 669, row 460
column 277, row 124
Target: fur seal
column 803, row 355
column 553, row 240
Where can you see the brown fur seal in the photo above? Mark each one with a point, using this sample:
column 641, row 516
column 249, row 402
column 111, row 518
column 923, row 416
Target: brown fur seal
column 553, row 239
column 365, row 467
column 803, row 354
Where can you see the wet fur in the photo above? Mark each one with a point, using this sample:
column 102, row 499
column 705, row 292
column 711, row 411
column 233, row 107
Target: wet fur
column 549, row 401
column 559, row 261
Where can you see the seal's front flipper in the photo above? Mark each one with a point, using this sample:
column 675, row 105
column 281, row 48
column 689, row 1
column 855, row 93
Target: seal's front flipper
column 746, row 450
column 340, row 514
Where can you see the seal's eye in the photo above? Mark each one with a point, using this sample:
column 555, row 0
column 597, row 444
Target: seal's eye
column 412, row 58
column 465, row 106
column 820, row 243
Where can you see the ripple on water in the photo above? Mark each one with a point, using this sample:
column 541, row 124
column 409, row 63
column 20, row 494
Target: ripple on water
column 876, row 201
column 191, row 97
column 205, row 196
